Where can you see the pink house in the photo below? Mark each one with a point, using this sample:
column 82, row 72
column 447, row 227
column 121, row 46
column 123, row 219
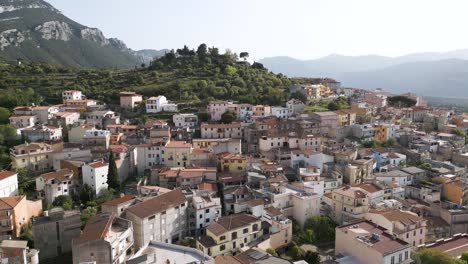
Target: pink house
column 130, row 99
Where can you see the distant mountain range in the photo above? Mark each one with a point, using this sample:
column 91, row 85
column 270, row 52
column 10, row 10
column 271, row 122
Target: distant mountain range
column 431, row 73
column 35, row 30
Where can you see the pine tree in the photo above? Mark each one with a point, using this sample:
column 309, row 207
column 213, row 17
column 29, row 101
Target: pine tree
column 113, row 178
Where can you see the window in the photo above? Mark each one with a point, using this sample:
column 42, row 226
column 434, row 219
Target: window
column 233, row 235
column 221, row 238
column 406, row 255
column 152, row 217
column 222, row 247
column 207, row 210
column 200, row 216
column 392, row 261
column 246, row 230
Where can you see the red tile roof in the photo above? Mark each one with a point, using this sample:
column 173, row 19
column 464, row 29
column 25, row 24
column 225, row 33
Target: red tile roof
column 96, row 228
column 120, row 200
column 157, row 204
column 6, row 174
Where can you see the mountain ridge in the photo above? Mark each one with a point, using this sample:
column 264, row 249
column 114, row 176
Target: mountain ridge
column 35, row 30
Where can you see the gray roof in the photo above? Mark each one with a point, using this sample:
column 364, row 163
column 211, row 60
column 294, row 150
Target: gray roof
column 394, row 173
column 413, row 170
column 14, row 244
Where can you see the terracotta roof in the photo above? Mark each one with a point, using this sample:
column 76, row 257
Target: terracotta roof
column 212, row 187
column 254, row 202
column 394, row 215
column 230, row 156
column 273, row 211
column 178, row 144
column 118, row 148
column 96, row 228
column 231, row 125
column 6, row 174
column 226, row 260
column 199, row 151
column 10, row 202
column 98, row 164
column 369, row 187
column 231, row 222
column 386, row 244
column 59, row 175
column 157, row 204
column 352, row 193
column 454, row 246
column 120, row 200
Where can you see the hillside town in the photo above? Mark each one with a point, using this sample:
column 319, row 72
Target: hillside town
column 154, row 181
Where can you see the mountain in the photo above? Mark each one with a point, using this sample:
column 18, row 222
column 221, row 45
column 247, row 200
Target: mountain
column 34, row 30
column 430, row 73
column 147, row 55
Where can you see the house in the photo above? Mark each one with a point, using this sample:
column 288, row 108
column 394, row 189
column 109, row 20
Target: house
column 293, row 202
column 148, row 155
column 405, row 225
column 230, row 145
column 280, row 112
column 77, row 132
column 348, row 203
column 325, row 120
column 205, row 210
column 105, row 239
column 124, row 156
column 101, row 119
column 17, row 251
column 367, row 243
column 159, row 252
column 66, row 118
column 71, row 153
column 217, row 108
column 229, row 234
column 398, row 177
column 35, row 157
column 16, row 212
column 44, row 113
column 95, row 175
column 162, row 218
column 158, row 104
column 97, row 140
column 53, row 184
column 118, row 205
column 346, row 117
column 183, row 177
column 80, row 105
column 233, row 130
column 178, row 154
column 130, row 99
column 232, row 163
column 71, row 95
column 54, row 231
column 456, row 192
column 23, row 121
column 8, row 183
column 376, row 98
column 42, row 133
column 295, row 106
column 185, row 120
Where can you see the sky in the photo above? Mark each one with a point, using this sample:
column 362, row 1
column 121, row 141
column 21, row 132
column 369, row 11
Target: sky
column 303, row 29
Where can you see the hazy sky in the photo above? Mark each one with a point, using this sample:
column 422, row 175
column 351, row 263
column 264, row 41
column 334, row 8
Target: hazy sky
column 302, row 29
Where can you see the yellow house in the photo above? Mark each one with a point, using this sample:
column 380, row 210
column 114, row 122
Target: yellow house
column 229, row 234
column 178, row 154
column 232, row 163
column 35, row 157
column 380, row 133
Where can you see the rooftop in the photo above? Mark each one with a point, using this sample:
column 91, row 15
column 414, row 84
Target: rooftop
column 6, row 174
column 96, row 228
column 157, row 204
column 231, row 222
column 454, row 246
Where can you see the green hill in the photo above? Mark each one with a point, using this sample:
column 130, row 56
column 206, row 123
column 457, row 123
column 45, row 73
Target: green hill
column 182, row 75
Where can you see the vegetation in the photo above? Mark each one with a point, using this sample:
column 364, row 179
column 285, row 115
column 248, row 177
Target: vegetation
column 460, row 133
column 25, row 183
column 431, row 256
column 295, row 253
column 425, row 166
column 317, row 229
column 228, row 117
column 27, row 234
column 113, row 178
column 401, row 101
column 4, row 115
column 338, row 104
column 299, row 96
column 87, row 214
column 64, row 201
column 272, row 252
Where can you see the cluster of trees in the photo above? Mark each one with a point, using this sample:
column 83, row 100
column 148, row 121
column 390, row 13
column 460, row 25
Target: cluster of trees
column 317, row 229
column 460, row 133
column 432, row 256
column 295, row 253
column 376, row 144
column 339, row 103
column 401, row 101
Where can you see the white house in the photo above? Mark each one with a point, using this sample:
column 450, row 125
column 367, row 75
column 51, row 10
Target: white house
column 158, row 104
column 95, row 175
column 206, row 210
column 308, row 157
column 56, row 183
column 8, row 183
column 23, row 121
column 280, row 112
column 185, row 120
column 396, row 176
column 72, row 95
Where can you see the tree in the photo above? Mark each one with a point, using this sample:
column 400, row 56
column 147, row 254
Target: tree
column 371, row 144
column 299, row 96
column 312, row 257
column 401, row 101
column 244, row 55
column 202, row 50
column 113, row 178
column 87, row 213
column 7, row 132
column 64, row 201
column 432, row 256
column 24, row 182
column 464, row 257
column 228, row 117
column 105, row 195
column 27, row 234
column 425, row 166
column 323, row 228
column 272, row 252
column 87, row 194
column 295, row 253
column 4, row 115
